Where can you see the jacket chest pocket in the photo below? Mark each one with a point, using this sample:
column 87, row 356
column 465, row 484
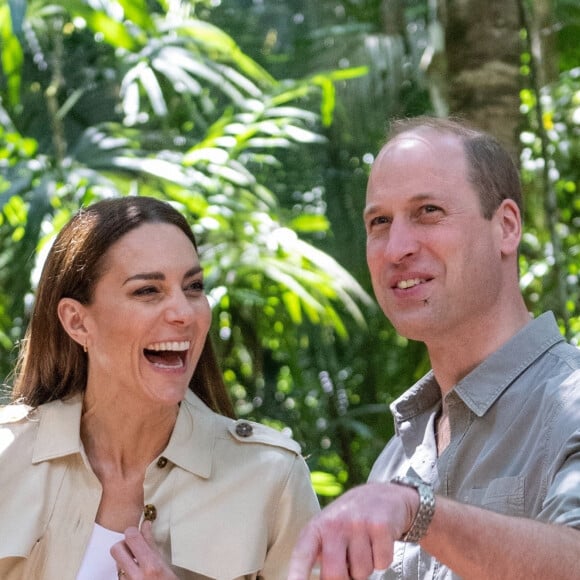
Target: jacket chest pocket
column 196, row 559
column 22, row 558
column 189, row 575
column 217, row 536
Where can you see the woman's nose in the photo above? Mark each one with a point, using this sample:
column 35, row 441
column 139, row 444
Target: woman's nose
column 180, row 309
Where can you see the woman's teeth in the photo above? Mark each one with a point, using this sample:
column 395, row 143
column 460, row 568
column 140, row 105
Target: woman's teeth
column 176, row 346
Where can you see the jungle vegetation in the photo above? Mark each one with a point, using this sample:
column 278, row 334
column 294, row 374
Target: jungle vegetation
column 259, row 119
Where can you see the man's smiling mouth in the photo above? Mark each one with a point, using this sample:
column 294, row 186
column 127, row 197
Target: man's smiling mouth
column 404, row 284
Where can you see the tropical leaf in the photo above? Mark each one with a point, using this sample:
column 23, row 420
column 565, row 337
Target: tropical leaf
column 11, row 15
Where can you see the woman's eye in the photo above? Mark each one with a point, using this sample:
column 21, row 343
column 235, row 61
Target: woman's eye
column 196, row 286
column 145, row 291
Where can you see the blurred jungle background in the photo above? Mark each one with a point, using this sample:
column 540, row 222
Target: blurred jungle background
column 259, row 119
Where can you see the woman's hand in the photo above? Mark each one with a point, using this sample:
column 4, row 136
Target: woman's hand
column 138, row 558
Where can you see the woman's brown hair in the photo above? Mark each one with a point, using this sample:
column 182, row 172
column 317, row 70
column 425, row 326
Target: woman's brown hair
column 53, row 366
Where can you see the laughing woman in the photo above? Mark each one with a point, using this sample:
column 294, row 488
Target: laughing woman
column 120, row 456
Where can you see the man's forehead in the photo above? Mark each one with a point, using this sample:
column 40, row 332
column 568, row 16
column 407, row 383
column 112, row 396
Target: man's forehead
column 419, row 161
column 432, row 140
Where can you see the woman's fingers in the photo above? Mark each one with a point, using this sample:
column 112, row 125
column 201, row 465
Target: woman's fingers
column 138, row 556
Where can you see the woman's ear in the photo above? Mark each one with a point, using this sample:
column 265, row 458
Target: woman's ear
column 72, row 317
column 510, row 226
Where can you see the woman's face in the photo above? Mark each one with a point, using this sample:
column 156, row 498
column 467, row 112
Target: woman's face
column 148, row 321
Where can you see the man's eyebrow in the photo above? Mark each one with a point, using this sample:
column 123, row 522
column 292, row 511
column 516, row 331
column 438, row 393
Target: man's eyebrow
column 376, row 207
column 370, row 209
column 160, row 275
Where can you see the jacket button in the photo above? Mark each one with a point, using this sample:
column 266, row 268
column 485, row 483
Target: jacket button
column 150, row 512
column 244, row 429
column 162, row 462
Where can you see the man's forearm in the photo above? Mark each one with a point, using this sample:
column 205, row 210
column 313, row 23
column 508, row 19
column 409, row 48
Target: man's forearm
column 480, row 544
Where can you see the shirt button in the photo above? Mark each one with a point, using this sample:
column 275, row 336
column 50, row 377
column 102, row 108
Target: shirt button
column 162, row 462
column 150, row 512
column 244, row 429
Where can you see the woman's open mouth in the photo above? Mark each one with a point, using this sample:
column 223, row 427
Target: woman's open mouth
column 167, row 355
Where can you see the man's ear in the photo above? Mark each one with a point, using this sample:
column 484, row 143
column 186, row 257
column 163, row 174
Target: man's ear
column 72, row 317
column 509, row 223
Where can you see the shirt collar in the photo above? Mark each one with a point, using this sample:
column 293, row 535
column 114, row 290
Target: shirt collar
column 482, row 386
column 190, row 447
column 423, row 395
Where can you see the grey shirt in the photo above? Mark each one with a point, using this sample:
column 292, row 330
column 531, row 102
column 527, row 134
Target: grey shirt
column 515, row 438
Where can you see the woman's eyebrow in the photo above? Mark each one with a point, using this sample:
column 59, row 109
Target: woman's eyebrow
column 160, row 275
column 146, row 276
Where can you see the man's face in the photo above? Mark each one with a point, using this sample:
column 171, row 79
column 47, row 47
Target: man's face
column 435, row 261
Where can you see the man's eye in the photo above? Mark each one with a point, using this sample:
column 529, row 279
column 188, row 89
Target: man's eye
column 379, row 220
column 431, row 208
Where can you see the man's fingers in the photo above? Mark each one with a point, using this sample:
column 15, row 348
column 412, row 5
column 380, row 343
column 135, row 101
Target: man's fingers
column 360, row 556
column 383, row 551
column 305, row 554
column 333, row 557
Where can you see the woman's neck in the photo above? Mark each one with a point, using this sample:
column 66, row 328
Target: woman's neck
column 123, row 436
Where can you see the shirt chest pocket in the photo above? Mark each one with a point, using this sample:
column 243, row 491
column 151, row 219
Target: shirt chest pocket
column 505, row 495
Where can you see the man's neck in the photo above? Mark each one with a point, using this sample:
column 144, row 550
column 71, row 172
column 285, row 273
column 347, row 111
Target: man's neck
column 454, row 357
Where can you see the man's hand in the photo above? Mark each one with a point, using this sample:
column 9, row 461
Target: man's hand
column 138, row 558
column 355, row 534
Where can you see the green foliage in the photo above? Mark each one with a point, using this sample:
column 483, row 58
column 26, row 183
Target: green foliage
column 550, row 271
column 121, row 99
column 347, row 425
column 567, row 15
column 157, row 99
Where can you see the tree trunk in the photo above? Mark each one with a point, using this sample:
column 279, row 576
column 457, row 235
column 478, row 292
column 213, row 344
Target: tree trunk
column 542, row 32
column 483, row 58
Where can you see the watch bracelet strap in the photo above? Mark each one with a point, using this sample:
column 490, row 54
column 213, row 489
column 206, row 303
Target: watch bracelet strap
column 424, row 513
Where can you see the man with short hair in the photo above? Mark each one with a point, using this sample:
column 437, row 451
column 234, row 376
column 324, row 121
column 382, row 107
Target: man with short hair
column 482, row 478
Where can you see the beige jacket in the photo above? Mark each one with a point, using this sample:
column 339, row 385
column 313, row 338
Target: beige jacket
column 230, row 496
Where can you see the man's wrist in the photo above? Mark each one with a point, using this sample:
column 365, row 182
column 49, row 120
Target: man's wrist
column 425, row 512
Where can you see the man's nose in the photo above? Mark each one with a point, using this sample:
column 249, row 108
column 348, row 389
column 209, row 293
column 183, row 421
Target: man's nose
column 402, row 241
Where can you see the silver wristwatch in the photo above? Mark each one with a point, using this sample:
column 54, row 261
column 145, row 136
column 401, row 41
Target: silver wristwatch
column 426, row 509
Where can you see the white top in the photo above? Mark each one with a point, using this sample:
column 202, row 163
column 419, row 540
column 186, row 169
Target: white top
column 98, row 564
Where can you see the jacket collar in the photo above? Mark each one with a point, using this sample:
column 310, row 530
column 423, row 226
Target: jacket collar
column 58, row 429
column 192, row 442
column 191, row 445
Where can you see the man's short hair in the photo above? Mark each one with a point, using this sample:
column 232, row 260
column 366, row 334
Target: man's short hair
column 491, row 170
